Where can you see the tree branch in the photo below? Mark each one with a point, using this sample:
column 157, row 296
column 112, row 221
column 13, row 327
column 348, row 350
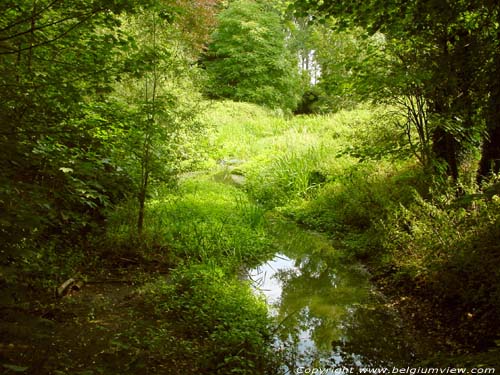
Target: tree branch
column 30, row 30
column 66, row 32
column 50, row 5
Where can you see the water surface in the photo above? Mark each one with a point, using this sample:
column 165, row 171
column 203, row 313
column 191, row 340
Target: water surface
column 328, row 313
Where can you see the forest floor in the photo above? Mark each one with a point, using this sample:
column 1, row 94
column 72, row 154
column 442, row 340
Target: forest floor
column 85, row 332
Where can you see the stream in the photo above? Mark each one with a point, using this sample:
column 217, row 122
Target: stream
column 329, row 315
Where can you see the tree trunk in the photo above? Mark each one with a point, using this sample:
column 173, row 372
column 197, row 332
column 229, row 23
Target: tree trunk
column 444, row 144
column 148, row 134
column 444, row 148
column 142, row 194
column 490, row 160
column 140, row 217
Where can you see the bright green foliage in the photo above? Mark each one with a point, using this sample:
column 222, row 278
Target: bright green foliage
column 446, row 55
column 204, row 221
column 98, row 101
column 287, row 176
column 161, row 104
column 222, row 327
column 353, row 67
column 237, row 129
column 358, row 67
column 214, row 222
column 248, row 59
column 56, row 170
column 286, row 161
column 85, row 94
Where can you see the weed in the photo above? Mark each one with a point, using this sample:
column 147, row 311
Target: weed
column 221, row 323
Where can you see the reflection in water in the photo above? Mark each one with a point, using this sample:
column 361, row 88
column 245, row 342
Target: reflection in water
column 328, row 314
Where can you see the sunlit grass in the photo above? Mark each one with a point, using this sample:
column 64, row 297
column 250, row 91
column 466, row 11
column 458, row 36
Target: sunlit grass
column 208, row 220
column 350, row 175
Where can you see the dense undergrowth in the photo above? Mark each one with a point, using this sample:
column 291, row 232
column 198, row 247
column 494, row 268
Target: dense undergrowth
column 352, row 176
column 207, row 317
column 348, row 175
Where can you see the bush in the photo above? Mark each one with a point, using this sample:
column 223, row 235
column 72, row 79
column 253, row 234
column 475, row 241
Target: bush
column 449, row 255
column 219, row 315
column 350, row 206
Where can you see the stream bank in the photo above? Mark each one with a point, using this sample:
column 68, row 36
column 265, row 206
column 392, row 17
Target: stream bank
column 328, row 313
column 297, row 180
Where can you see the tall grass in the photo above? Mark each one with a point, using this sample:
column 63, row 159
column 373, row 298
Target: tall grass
column 238, row 129
column 353, row 176
column 203, row 220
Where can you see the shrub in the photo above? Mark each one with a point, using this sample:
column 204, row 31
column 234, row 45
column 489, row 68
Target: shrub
column 219, row 315
column 450, row 255
column 351, row 205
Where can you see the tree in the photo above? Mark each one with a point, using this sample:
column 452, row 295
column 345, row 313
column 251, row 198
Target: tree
column 63, row 129
column 488, row 50
column 160, row 102
column 451, row 47
column 56, row 65
column 353, row 65
column 248, row 59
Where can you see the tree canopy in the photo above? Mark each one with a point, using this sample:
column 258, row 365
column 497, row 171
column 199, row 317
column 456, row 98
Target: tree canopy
column 450, row 51
column 61, row 66
column 248, row 59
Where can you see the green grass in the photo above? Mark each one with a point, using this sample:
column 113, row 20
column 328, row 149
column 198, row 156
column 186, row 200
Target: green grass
column 206, row 318
column 202, row 220
column 353, row 176
column 350, row 175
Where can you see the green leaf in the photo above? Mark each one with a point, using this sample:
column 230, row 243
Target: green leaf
column 16, row 368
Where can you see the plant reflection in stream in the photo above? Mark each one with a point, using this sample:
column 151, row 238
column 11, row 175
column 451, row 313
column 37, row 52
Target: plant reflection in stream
column 328, row 313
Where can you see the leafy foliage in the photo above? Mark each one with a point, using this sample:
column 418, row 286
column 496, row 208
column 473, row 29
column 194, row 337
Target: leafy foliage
column 247, row 59
column 353, row 66
column 223, row 327
column 73, row 113
column 99, row 102
column 450, row 255
column 161, row 105
column 445, row 54
column 56, row 168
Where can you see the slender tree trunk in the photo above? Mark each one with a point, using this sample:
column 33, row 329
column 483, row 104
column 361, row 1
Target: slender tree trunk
column 146, row 162
column 142, row 201
column 32, row 35
column 490, row 160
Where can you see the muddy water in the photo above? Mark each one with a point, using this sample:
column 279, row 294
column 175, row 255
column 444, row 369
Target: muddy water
column 328, row 314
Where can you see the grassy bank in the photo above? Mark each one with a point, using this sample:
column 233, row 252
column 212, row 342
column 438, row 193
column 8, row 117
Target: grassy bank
column 207, row 318
column 181, row 306
column 353, row 176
